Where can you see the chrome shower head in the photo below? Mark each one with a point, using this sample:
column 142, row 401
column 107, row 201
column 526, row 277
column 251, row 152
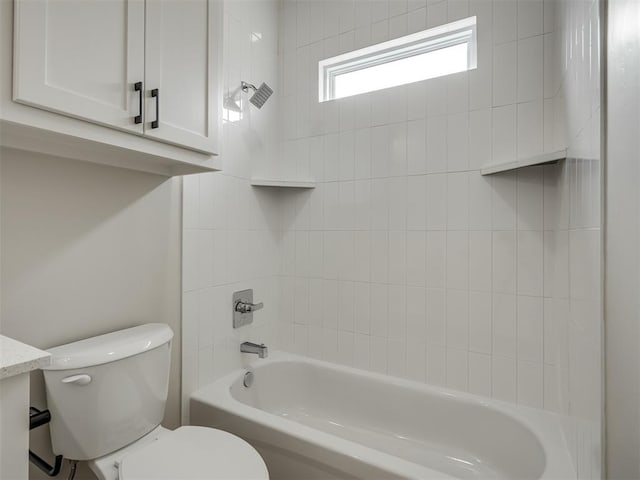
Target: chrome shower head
column 261, row 95
column 231, row 101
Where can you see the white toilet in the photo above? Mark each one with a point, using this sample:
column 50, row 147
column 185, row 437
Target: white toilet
column 107, row 396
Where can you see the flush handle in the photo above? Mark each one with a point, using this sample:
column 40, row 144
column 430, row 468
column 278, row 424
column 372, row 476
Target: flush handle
column 82, row 379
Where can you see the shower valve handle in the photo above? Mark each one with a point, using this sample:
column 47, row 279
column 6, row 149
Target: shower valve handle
column 246, row 307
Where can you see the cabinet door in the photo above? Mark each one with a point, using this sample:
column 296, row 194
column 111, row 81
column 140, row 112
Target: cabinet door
column 81, row 58
column 182, row 69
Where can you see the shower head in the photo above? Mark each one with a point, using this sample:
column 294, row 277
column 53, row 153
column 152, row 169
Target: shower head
column 231, row 101
column 261, row 95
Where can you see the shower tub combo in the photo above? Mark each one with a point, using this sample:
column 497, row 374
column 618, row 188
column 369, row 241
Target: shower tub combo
column 314, row 420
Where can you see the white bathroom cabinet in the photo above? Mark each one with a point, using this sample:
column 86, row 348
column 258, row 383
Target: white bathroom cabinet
column 147, row 70
column 181, row 60
column 81, row 59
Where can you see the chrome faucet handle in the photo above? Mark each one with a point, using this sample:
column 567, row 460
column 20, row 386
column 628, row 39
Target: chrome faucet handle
column 243, row 307
column 246, row 307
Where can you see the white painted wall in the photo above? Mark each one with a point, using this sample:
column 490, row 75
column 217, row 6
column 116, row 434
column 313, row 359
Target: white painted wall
column 622, row 310
column 231, row 230
column 86, row 250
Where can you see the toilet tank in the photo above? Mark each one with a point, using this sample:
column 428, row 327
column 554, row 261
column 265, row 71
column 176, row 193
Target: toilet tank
column 107, row 391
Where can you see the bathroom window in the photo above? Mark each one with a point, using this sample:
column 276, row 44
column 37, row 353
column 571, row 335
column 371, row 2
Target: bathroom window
column 435, row 52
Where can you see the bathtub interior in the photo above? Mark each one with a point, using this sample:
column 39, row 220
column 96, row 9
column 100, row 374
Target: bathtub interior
column 459, row 438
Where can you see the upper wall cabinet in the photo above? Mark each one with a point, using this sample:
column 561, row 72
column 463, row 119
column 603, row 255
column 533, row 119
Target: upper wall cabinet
column 150, row 68
column 81, row 58
column 180, row 72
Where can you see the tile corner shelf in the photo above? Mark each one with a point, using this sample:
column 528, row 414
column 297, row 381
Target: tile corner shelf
column 542, row 159
column 271, row 182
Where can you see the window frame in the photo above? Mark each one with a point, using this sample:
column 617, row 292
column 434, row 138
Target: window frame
column 432, row 39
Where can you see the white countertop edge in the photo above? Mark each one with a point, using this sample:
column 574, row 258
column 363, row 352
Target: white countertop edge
column 17, row 358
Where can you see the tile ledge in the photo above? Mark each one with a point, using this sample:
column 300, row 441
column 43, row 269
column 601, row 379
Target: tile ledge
column 542, row 159
column 272, row 182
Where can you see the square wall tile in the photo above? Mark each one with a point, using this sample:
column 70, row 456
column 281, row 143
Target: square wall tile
column 436, row 317
column 416, row 202
column 480, row 261
column 504, row 379
column 480, row 374
column 416, row 147
column 436, row 259
column 480, row 148
column 361, row 352
column 480, row 202
column 457, row 201
column 416, row 258
column 530, row 18
column 530, row 329
column 504, row 325
column 505, row 73
column 530, row 384
column 480, row 322
column 505, row 24
column 457, row 369
column 458, row 319
column 457, row 144
column 530, row 262
column 530, row 129
column 457, row 260
column 416, row 360
column 436, row 370
column 416, row 313
column 504, row 262
column 504, row 133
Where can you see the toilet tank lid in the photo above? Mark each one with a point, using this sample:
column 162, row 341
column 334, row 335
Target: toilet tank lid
column 109, row 347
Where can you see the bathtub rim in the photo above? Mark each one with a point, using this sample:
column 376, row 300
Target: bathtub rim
column 544, row 425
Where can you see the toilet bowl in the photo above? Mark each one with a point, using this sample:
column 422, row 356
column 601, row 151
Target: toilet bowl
column 194, row 453
column 107, row 397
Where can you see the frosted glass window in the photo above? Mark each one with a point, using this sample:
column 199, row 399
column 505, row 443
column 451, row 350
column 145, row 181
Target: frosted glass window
column 436, row 52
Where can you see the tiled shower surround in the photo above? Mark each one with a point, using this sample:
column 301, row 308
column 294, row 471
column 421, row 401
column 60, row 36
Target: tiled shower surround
column 230, row 230
column 404, row 259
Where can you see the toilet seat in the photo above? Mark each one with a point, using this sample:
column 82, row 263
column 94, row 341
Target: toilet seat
column 195, row 453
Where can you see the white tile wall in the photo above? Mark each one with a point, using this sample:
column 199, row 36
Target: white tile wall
column 572, row 244
column 404, row 260
column 453, row 278
column 429, row 270
column 231, row 230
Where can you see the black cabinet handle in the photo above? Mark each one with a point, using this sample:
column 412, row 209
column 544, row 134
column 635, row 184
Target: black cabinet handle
column 156, row 93
column 138, row 88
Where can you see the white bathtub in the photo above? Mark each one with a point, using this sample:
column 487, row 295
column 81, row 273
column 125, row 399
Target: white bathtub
column 315, row 420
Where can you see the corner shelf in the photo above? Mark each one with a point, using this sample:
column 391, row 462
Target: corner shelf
column 542, row 159
column 271, row 182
